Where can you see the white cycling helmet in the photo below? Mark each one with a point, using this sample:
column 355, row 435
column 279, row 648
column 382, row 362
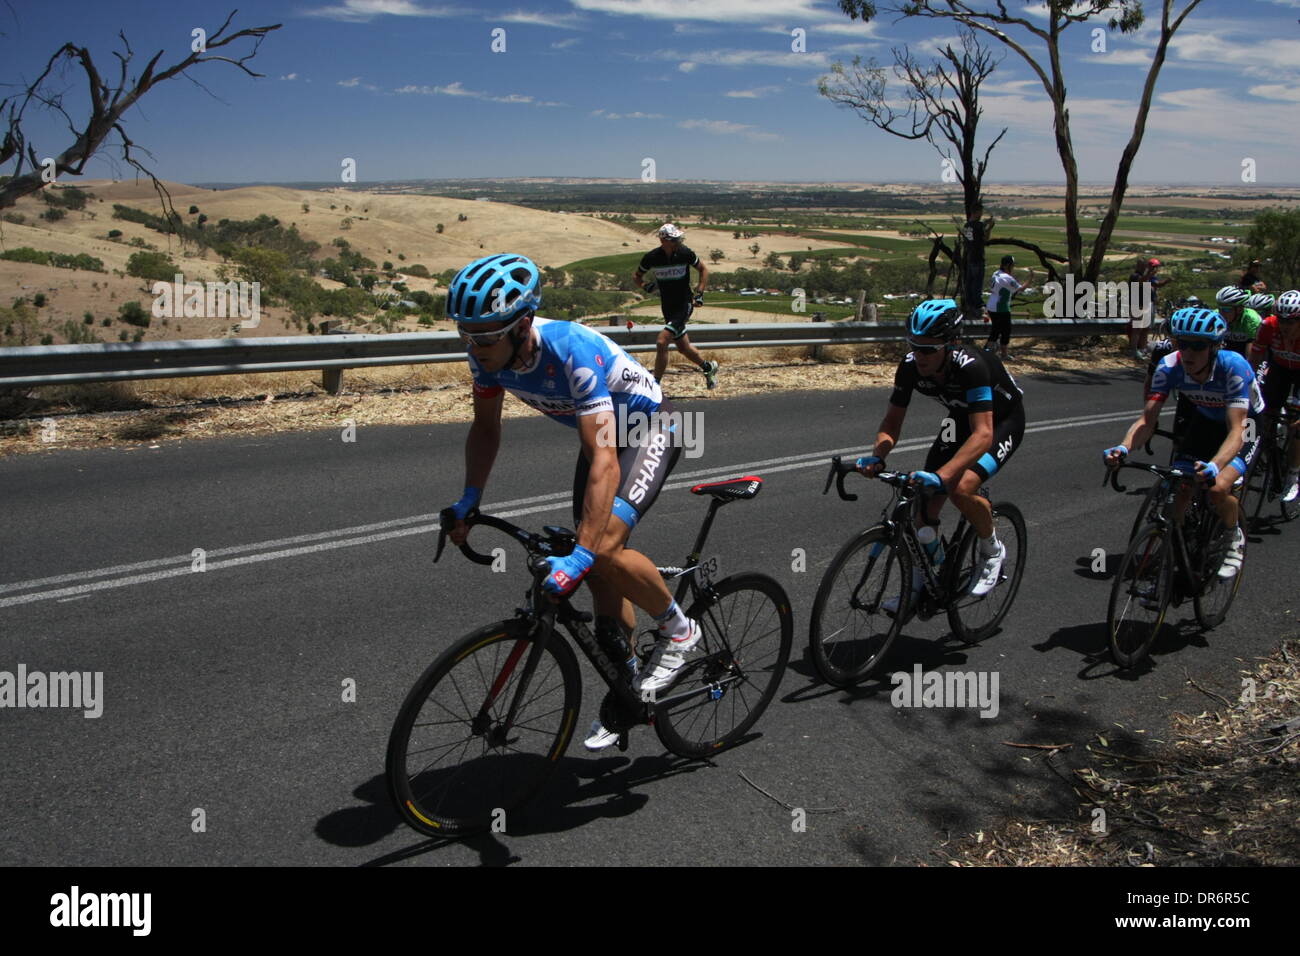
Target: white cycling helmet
column 1231, row 295
column 669, row 231
column 1261, row 302
column 1288, row 304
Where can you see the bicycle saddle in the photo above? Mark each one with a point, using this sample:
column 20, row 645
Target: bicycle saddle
column 733, row 489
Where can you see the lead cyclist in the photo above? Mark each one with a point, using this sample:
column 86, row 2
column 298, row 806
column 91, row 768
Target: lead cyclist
column 577, row 377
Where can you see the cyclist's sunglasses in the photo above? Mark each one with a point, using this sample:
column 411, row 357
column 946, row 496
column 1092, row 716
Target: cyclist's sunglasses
column 926, row 349
column 1193, row 345
column 486, row 339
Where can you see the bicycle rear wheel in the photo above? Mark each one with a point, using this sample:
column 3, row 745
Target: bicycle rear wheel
column 732, row 675
column 1139, row 596
column 972, row 618
column 1256, row 486
column 850, row 632
column 452, row 768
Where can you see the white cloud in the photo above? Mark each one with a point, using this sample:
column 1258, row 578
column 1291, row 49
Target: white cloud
column 363, row 11
column 728, row 128
column 606, row 114
column 757, row 92
column 355, row 81
column 565, row 44
column 844, row 27
column 561, row 21
column 458, row 89
column 289, row 76
column 1277, row 91
column 686, row 67
column 730, row 11
column 740, row 58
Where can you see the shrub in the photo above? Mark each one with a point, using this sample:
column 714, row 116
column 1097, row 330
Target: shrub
column 415, row 269
column 157, row 266
column 388, row 266
column 88, row 318
column 114, row 233
column 139, row 336
column 47, row 339
column 193, row 210
column 53, row 214
column 133, row 313
column 38, row 300
column 106, row 322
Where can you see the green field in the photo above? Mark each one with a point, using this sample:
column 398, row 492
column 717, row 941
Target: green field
column 779, row 305
column 622, row 264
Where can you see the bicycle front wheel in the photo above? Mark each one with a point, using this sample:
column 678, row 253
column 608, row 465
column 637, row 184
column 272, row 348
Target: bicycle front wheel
column 1216, row 593
column 973, row 618
column 850, row 630
column 453, row 767
column 1139, row 596
column 732, row 675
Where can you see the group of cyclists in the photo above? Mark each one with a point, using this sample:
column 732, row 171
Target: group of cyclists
column 1231, row 369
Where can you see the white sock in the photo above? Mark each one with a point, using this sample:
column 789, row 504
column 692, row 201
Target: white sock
column 673, row 623
column 989, row 545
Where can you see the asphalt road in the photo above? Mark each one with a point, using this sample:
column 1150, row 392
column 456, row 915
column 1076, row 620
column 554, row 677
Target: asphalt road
column 223, row 690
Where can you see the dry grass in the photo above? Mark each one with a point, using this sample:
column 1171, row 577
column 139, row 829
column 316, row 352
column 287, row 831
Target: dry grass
column 136, row 413
column 1225, row 792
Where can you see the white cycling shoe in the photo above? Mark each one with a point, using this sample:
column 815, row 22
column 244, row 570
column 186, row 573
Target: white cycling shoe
column 667, row 658
column 990, row 572
column 1236, row 555
column 1292, row 491
column 600, row 738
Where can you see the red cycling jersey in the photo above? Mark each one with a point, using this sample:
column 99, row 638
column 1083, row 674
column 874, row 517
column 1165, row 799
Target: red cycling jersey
column 1270, row 340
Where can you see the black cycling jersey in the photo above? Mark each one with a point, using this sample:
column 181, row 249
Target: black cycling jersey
column 673, row 273
column 975, row 381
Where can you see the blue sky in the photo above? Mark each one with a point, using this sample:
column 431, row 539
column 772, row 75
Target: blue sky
column 710, row 89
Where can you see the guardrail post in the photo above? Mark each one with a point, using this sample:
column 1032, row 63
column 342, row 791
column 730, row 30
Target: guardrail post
column 869, row 311
column 331, row 379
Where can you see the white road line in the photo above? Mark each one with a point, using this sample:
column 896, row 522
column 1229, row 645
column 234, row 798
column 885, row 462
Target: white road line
column 180, row 565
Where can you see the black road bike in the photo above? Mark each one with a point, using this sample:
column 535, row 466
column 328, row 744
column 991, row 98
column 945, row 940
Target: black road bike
column 1167, row 562
column 851, row 631
column 484, row 727
column 1266, row 477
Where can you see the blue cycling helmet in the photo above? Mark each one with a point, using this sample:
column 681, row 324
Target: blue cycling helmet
column 1198, row 324
column 937, row 318
column 494, row 289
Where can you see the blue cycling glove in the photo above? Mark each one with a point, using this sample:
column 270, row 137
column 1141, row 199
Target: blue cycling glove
column 928, row 479
column 1122, row 449
column 1208, row 470
column 468, row 502
column 868, row 461
column 567, row 572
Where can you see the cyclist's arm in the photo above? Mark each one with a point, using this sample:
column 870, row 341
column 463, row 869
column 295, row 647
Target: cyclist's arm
column 979, row 443
column 602, row 478
column 1141, row 431
column 891, row 426
column 704, row 276
column 481, row 447
column 636, row 277
column 1235, row 439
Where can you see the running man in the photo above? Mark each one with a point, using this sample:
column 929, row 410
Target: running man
column 671, row 264
column 578, row 377
column 987, row 426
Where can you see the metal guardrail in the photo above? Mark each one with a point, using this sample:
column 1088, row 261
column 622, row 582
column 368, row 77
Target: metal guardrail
column 126, row 361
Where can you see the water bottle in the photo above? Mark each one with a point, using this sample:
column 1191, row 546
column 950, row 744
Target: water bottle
column 929, row 538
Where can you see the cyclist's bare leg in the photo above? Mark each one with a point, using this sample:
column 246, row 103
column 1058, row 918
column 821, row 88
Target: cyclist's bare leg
column 977, row 510
column 1222, row 498
column 622, row 577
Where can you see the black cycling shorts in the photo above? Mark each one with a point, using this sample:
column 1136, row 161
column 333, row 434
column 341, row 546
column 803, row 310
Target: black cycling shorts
column 675, row 322
column 1202, row 439
column 1276, row 382
column 643, row 468
column 1008, row 435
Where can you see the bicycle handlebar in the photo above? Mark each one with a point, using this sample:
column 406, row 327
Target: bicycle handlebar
column 1163, row 471
column 537, row 546
column 839, row 469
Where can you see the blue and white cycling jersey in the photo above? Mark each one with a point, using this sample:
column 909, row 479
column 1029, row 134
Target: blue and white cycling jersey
column 1231, row 385
column 576, row 371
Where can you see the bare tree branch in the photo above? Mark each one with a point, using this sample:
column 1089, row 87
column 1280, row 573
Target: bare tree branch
column 107, row 105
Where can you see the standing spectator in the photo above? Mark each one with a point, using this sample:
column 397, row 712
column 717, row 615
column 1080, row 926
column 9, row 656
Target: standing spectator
column 1002, row 287
column 671, row 264
column 1139, row 325
column 1250, row 278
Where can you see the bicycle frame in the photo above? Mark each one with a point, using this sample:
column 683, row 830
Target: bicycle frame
column 1188, row 574
column 543, row 613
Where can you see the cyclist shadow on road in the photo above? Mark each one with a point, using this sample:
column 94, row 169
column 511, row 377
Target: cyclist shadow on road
column 906, row 651
column 565, row 804
column 1092, row 643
